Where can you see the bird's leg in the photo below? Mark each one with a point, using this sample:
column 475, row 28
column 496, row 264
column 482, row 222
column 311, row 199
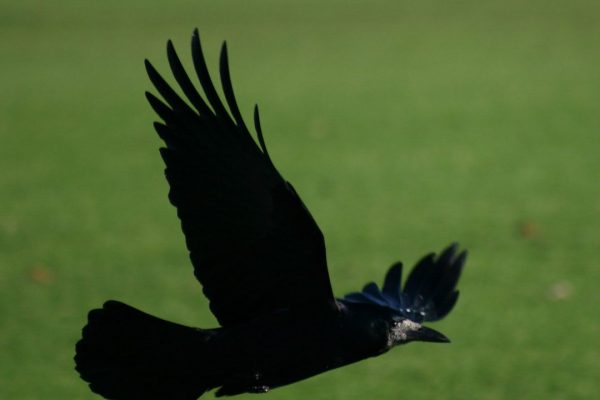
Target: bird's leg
column 257, row 387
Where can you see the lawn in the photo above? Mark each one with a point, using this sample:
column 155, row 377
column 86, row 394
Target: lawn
column 404, row 126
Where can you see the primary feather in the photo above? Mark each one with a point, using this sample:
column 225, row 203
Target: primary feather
column 251, row 239
column 429, row 292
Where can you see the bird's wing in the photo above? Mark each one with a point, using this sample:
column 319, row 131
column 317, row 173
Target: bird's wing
column 429, row 292
column 254, row 246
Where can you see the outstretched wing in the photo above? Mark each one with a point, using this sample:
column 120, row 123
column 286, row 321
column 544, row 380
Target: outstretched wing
column 253, row 244
column 429, row 292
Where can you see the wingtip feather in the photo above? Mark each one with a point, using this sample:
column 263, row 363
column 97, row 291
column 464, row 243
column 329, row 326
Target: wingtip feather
column 392, row 281
column 430, row 291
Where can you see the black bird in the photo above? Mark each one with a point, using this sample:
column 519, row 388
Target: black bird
column 260, row 258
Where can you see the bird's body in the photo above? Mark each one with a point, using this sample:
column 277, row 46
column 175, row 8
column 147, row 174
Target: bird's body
column 256, row 356
column 260, row 258
column 288, row 347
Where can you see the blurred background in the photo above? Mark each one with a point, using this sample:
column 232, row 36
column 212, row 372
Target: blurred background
column 405, row 125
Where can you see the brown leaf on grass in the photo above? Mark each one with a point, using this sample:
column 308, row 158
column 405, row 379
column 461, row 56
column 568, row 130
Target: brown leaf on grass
column 528, row 229
column 40, row 273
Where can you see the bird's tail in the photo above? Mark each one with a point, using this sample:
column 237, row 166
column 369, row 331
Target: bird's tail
column 127, row 354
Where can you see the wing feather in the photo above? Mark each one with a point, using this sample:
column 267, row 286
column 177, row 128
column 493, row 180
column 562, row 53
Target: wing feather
column 429, row 293
column 205, row 80
column 228, row 89
column 254, row 246
column 184, row 81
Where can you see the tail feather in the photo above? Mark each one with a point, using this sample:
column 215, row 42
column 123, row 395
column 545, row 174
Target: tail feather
column 125, row 353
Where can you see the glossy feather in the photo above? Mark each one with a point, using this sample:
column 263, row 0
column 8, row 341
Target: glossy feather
column 429, row 293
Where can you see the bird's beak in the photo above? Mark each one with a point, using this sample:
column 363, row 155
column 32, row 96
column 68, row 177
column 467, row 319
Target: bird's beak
column 424, row 334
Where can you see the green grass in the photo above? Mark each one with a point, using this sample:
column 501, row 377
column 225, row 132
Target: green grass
column 404, row 125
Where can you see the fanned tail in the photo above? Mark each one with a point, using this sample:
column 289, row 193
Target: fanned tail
column 125, row 353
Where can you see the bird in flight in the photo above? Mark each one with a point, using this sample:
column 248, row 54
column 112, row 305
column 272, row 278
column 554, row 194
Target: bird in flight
column 260, row 258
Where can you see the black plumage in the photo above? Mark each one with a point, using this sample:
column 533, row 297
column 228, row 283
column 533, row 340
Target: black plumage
column 429, row 292
column 260, row 258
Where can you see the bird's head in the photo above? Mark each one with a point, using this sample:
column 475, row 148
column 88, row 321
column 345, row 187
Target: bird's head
column 404, row 330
